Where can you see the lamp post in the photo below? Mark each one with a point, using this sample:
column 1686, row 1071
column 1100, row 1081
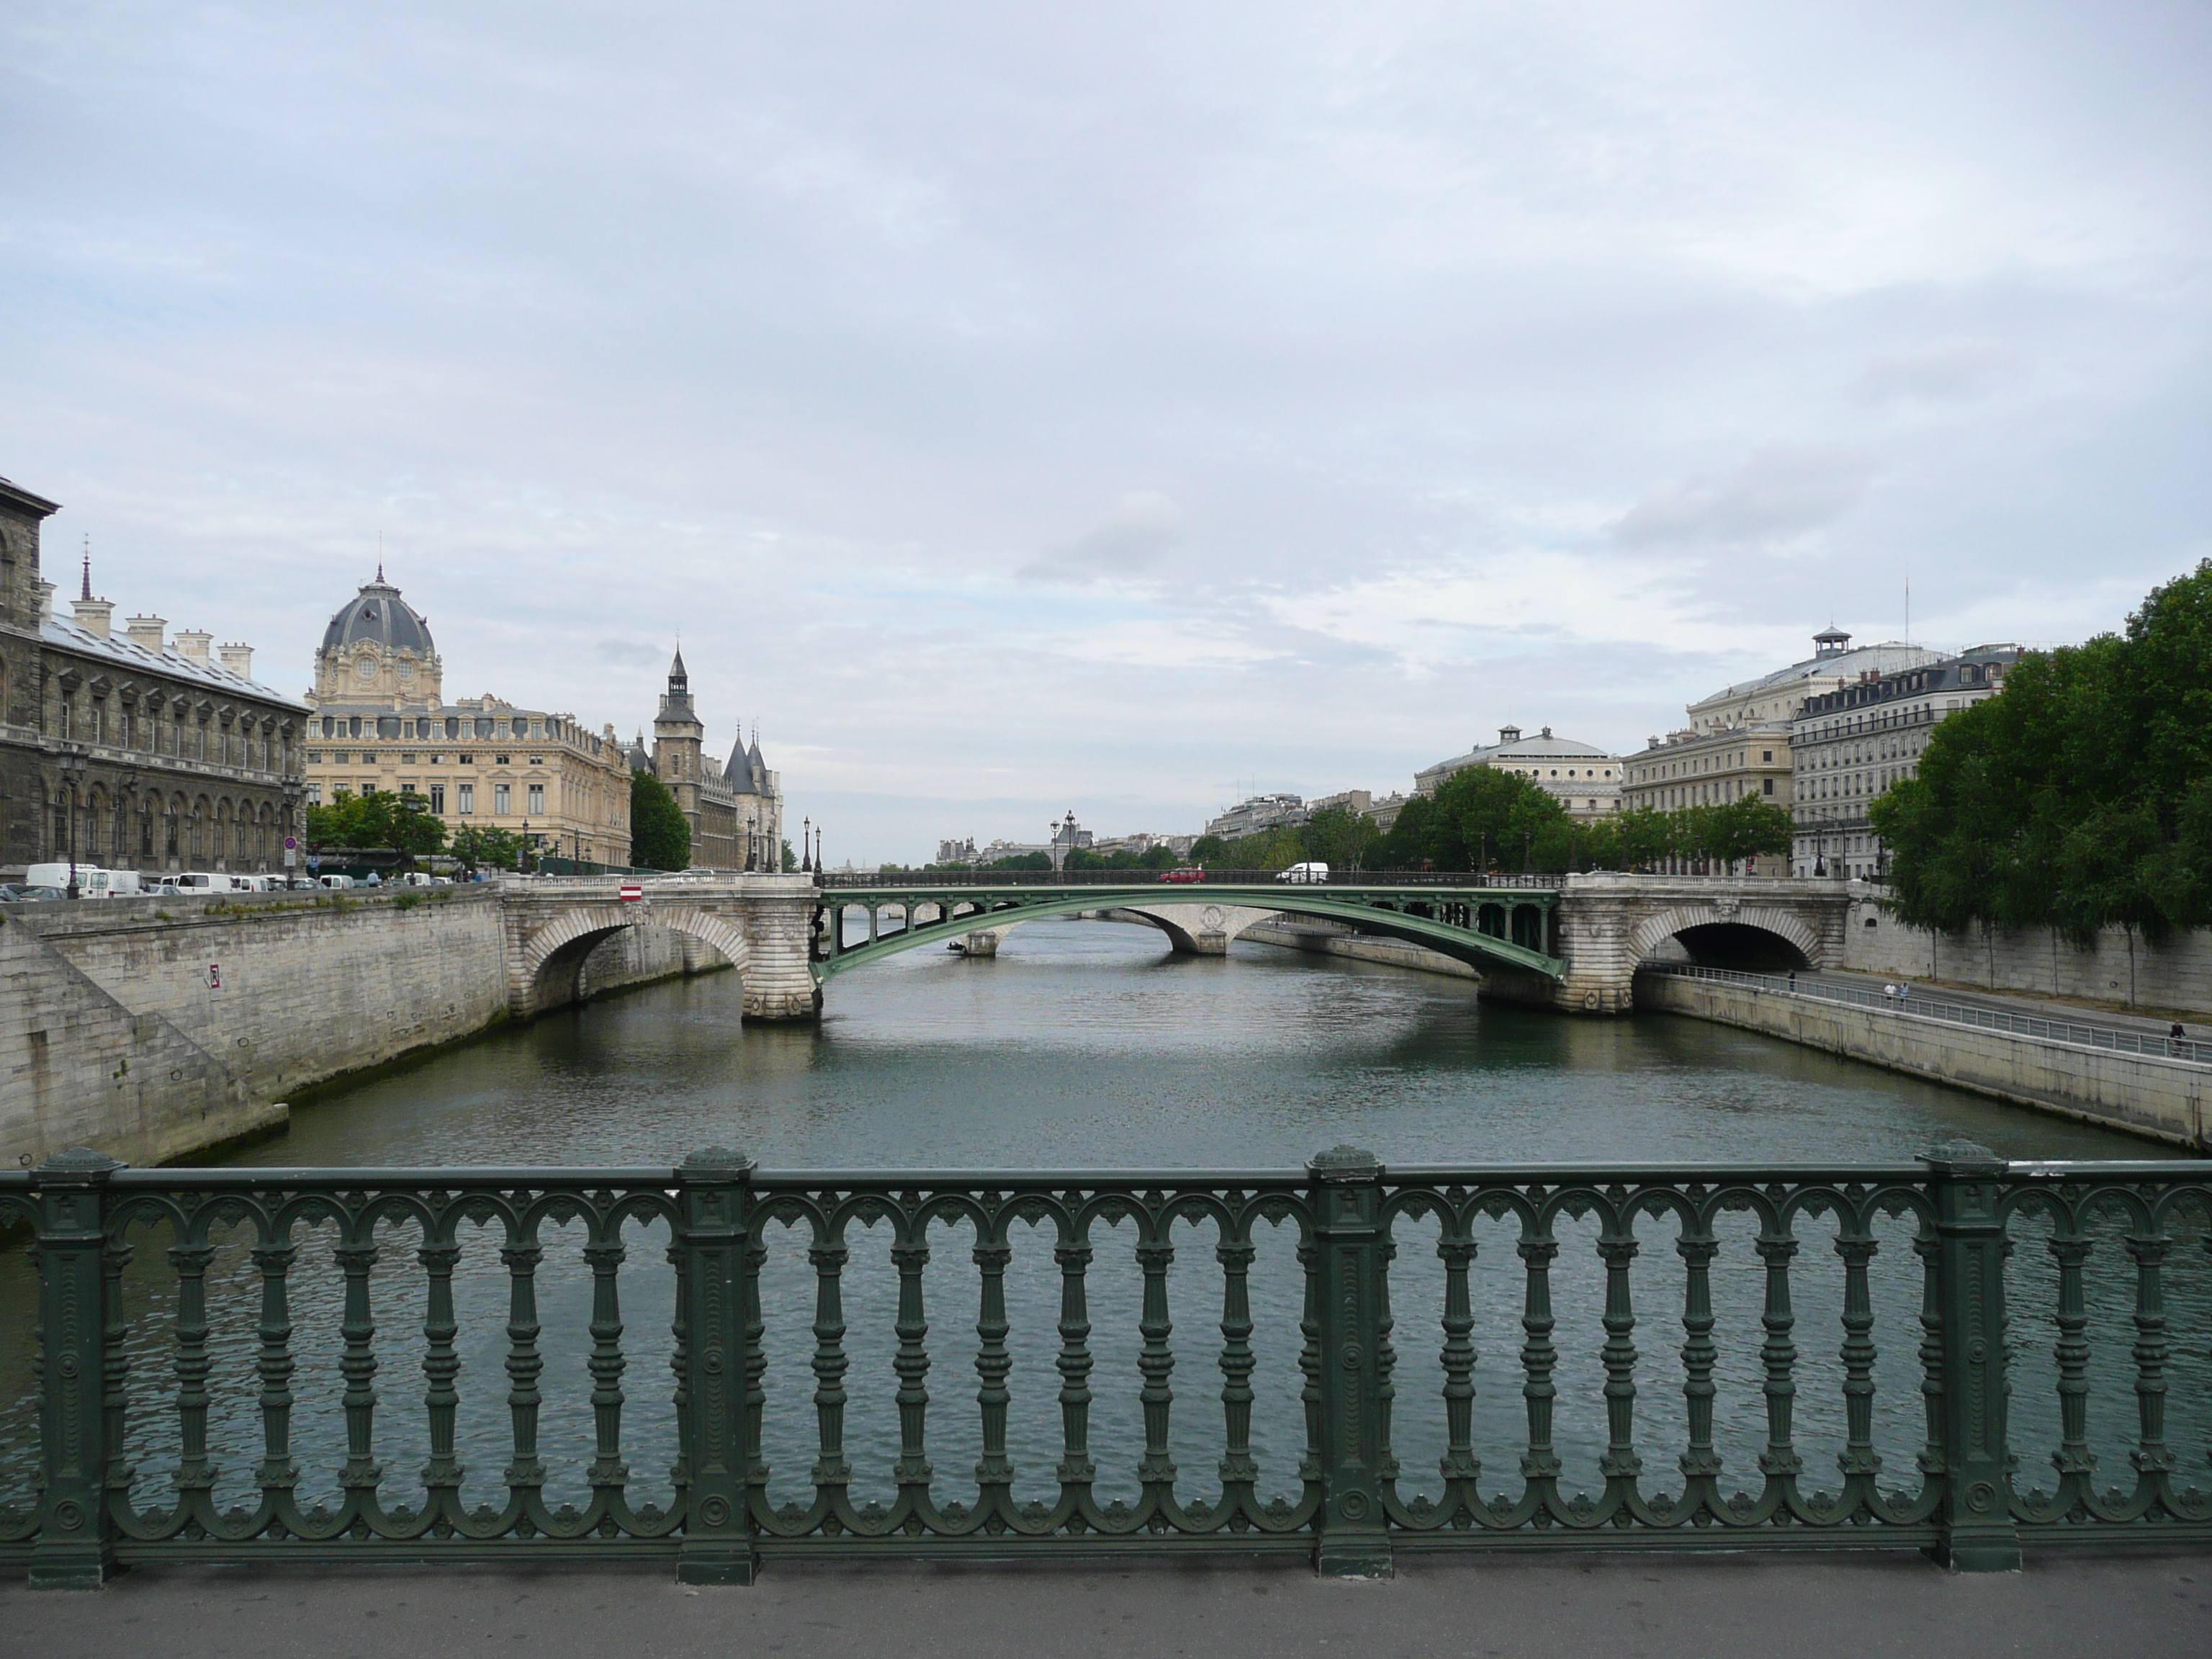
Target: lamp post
column 807, row 846
column 73, row 770
column 817, row 849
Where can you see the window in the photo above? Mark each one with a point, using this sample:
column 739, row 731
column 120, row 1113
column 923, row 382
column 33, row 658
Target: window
column 406, row 760
column 438, row 799
column 537, row 760
column 1769, row 784
column 468, row 798
column 1767, row 757
column 315, row 757
column 499, row 760
column 464, row 760
column 437, row 760
column 500, row 796
column 538, row 798
column 314, row 799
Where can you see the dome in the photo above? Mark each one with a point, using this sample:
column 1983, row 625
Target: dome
column 378, row 613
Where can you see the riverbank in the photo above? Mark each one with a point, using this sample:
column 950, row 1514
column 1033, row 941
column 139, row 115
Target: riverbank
column 2143, row 1094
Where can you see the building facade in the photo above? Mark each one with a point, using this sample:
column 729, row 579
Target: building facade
column 1778, row 696
column 1712, row 769
column 1852, row 743
column 734, row 807
column 1258, row 813
column 137, row 750
column 1584, row 778
column 378, row 720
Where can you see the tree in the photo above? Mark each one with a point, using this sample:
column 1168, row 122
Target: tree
column 659, row 836
column 486, row 849
column 2080, row 799
column 377, row 817
column 1209, row 850
column 1023, row 862
column 1338, row 838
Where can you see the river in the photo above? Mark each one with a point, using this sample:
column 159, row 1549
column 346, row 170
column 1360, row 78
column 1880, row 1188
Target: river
column 1087, row 1044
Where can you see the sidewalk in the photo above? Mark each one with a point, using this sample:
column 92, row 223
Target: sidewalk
column 2023, row 1002
column 2146, row 1605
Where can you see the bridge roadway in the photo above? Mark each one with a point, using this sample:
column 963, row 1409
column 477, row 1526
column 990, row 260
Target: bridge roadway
column 1570, row 943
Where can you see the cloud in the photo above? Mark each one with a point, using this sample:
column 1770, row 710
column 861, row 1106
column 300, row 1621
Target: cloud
column 632, row 653
column 1780, row 493
column 1143, row 526
column 1939, row 373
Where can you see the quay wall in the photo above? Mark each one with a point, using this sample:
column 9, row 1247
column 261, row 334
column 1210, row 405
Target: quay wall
column 2164, row 1099
column 2035, row 961
column 151, row 1029
column 1330, row 939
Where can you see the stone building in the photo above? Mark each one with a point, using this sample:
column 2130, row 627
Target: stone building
column 734, row 807
column 1584, row 778
column 379, row 720
column 1257, row 812
column 131, row 750
column 1852, row 743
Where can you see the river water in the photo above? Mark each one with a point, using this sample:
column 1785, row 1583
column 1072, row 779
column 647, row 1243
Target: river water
column 1086, row 1044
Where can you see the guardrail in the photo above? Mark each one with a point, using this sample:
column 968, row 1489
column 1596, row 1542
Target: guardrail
column 949, row 879
column 2080, row 1033
column 1403, row 1358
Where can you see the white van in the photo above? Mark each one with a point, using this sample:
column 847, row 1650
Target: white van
column 200, row 883
column 1303, row 872
column 92, row 881
column 336, row 881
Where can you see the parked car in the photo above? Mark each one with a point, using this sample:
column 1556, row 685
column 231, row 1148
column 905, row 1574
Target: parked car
column 1303, row 872
column 21, row 892
column 1190, row 873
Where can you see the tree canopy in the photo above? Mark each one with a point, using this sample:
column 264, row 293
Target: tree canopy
column 2080, row 799
column 377, row 817
column 659, row 835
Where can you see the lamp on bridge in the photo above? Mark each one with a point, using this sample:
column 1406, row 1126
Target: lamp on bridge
column 806, row 844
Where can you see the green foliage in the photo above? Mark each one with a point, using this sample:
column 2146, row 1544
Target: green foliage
column 378, row 818
column 1159, row 858
column 1022, row 861
column 2080, row 799
column 790, row 858
column 1338, row 838
column 659, row 836
column 407, row 901
column 1210, row 850
column 1479, row 819
column 486, row 849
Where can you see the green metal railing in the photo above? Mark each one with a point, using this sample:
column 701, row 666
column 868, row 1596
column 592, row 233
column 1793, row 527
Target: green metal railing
column 178, row 1313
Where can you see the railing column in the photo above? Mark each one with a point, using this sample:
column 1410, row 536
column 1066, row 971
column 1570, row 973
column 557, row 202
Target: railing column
column 73, row 1551
column 712, row 1222
column 1979, row 1533
column 1348, row 1269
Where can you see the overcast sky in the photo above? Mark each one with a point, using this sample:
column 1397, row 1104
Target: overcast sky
column 1021, row 407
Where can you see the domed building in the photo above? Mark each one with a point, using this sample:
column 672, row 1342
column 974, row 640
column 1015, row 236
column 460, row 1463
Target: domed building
column 379, row 719
column 1583, row 777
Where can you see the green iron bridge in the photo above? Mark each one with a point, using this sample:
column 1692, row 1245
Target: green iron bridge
column 1488, row 921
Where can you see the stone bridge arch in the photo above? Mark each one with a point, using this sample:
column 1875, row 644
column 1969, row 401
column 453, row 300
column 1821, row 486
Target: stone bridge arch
column 1717, row 920
column 549, row 962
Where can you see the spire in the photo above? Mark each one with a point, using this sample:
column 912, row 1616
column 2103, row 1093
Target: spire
column 87, row 593
column 379, row 573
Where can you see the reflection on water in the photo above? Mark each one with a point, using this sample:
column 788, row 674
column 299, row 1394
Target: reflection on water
column 1084, row 1045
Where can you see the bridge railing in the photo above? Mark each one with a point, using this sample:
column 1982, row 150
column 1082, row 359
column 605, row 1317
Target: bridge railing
column 714, row 1364
column 833, row 879
column 2083, row 1033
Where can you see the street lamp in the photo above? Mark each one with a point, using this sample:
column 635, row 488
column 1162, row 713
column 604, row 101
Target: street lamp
column 73, row 770
column 806, row 845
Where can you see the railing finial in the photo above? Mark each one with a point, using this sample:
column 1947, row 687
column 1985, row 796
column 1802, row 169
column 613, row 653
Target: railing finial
column 1963, row 1156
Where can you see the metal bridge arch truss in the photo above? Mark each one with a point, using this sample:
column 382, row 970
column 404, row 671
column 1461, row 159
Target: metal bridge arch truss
column 1492, row 927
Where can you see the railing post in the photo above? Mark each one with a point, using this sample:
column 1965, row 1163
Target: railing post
column 711, row 1193
column 73, row 1551
column 1348, row 1266
column 1979, row 1533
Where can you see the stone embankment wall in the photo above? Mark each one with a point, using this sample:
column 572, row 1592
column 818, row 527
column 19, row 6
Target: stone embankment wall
column 150, row 1030
column 2165, row 1099
column 2178, row 974
column 1332, row 938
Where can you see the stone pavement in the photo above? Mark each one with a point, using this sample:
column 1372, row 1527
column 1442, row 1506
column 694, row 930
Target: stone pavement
column 2136, row 1606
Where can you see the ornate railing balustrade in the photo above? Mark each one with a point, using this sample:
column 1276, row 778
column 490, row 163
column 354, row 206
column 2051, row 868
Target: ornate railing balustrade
column 1347, row 1361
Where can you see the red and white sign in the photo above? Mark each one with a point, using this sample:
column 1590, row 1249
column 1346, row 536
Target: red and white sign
column 632, row 894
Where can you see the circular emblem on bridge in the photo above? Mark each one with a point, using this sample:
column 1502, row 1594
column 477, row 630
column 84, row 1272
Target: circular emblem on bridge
column 1354, row 1506
column 68, row 1517
column 1981, row 1497
column 1214, row 918
column 715, row 1511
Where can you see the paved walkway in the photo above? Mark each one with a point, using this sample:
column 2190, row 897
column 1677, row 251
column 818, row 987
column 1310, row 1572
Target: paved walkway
column 2141, row 1606
column 2021, row 1002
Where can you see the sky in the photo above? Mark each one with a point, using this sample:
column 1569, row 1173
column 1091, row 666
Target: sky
column 1023, row 408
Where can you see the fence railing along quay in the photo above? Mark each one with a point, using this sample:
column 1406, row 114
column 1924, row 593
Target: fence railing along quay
column 2084, row 1033
column 1860, row 1355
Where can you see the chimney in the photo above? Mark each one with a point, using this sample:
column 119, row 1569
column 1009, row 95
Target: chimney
column 146, row 631
column 46, row 591
column 239, row 659
column 94, row 616
column 192, row 644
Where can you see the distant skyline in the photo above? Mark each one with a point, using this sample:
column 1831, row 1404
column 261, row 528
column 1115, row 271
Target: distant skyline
column 1022, row 410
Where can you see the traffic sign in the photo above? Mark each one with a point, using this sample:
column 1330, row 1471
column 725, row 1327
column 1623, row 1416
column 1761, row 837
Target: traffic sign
column 632, row 894
column 291, row 843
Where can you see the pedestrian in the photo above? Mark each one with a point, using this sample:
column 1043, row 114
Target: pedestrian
column 1889, row 992
column 1793, row 979
column 2177, row 1034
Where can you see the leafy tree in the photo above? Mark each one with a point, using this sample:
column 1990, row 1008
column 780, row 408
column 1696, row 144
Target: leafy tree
column 2080, row 799
column 659, row 835
column 378, row 818
column 1209, row 850
column 790, row 858
column 1023, row 862
column 486, row 849
column 1338, row 838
